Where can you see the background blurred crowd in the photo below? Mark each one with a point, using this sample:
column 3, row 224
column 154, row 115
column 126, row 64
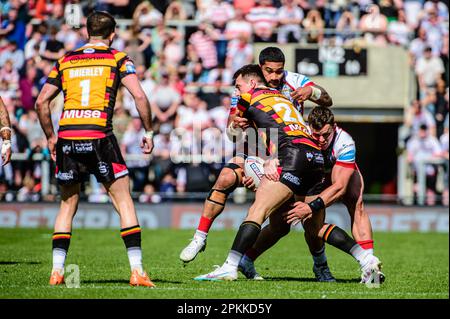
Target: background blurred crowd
column 186, row 53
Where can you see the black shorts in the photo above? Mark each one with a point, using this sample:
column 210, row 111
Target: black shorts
column 301, row 169
column 76, row 159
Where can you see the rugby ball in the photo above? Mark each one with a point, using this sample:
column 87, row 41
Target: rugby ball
column 254, row 167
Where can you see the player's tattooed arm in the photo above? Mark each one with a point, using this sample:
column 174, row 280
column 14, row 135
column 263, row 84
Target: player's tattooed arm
column 4, row 121
column 314, row 93
column 325, row 98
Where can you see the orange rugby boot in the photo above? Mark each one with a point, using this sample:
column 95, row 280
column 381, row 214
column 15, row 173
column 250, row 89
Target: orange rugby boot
column 140, row 280
column 56, row 278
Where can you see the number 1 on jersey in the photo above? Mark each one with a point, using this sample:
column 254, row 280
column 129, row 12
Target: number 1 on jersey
column 85, row 92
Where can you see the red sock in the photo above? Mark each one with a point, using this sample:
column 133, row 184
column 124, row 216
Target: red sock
column 252, row 254
column 204, row 224
column 366, row 244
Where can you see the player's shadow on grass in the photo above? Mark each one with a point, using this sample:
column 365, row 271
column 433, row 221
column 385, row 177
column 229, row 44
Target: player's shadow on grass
column 20, row 262
column 124, row 281
column 308, row 279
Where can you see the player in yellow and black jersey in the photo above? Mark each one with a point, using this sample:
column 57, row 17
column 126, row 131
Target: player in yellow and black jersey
column 89, row 78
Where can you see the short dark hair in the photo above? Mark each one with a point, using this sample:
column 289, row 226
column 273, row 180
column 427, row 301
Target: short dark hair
column 271, row 54
column 100, row 24
column 319, row 117
column 250, row 70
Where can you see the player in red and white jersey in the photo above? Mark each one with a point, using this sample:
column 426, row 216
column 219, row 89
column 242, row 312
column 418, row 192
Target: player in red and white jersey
column 344, row 182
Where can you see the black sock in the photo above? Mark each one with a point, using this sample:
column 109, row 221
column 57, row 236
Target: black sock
column 338, row 238
column 61, row 240
column 131, row 236
column 246, row 236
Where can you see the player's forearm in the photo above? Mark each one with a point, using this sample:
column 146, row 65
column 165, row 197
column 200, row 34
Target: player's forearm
column 4, row 122
column 333, row 193
column 44, row 115
column 145, row 113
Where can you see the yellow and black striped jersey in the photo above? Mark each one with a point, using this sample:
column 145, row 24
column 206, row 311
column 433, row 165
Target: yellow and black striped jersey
column 89, row 78
column 268, row 108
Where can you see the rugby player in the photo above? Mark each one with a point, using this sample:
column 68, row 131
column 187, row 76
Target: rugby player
column 344, row 182
column 5, row 133
column 297, row 88
column 296, row 169
column 90, row 78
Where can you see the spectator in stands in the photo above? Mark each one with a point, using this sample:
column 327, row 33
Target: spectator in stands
column 8, row 25
column 219, row 114
column 136, row 44
column 429, row 70
column 374, row 25
column 290, row 17
column 176, row 80
column 346, row 28
column 398, row 31
column 424, row 147
column 238, row 26
column 314, row 26
column 240, row 52
column 148, row 85
column 244, row 5
column 28, row 87
column 441, row 112
column 417, row 116
column 417, row 47
column 138, row 168
column 332, row 12
column 175, row 11
column 413, row 11
column 9, row 75
column 203, row 44
column 146, row 16
column 53, row 48
column 34, row 44
column 30, row 127
column 264, row 20
column 121, row 119
column 13, row 53
column 389, row 10
column 173, row 49
column 439, row 6
column 161, row 161
column 436, row 29
column 164, row 100
column 69, row 36
column 218, row 13
column 193, row 112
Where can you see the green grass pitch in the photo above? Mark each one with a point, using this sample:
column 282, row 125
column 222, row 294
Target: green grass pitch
column 416, row 266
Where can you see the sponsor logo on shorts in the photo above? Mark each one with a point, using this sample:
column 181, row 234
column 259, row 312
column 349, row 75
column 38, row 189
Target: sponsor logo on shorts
column 103, row 168
column 66, row 149
column 65, row 176
column 318, row 158
column 83, row 148
column 291, row 178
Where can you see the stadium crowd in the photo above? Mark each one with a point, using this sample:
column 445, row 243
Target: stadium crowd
column 187, row 71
